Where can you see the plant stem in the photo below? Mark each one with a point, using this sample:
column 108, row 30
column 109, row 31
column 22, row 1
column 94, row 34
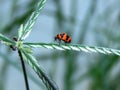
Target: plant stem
column 24, row 70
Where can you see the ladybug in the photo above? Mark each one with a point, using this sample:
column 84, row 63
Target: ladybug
column 64, row 37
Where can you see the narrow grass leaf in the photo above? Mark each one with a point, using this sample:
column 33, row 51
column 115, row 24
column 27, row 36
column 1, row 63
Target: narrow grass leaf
column 27, row 28
column 76, row 47
column 5, row 40
column 50, row 84
column 27, row 50
column 20, row 31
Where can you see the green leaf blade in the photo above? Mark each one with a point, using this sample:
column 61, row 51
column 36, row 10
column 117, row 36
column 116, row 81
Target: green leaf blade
column 20, row 31
column 75, row 47
column 50, row 84
column 6, row 40
column 31, row 21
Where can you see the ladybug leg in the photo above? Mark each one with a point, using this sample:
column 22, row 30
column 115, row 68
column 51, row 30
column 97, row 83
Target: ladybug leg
column 65, row 43
column 59, row 41
column 55, row 38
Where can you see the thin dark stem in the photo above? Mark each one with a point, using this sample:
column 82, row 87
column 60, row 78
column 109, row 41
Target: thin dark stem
column 24, row 70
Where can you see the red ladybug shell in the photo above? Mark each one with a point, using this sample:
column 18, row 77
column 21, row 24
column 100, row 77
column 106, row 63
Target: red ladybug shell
column 64, row 37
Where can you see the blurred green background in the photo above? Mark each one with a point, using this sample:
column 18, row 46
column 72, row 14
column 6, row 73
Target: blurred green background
column 88, row 22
